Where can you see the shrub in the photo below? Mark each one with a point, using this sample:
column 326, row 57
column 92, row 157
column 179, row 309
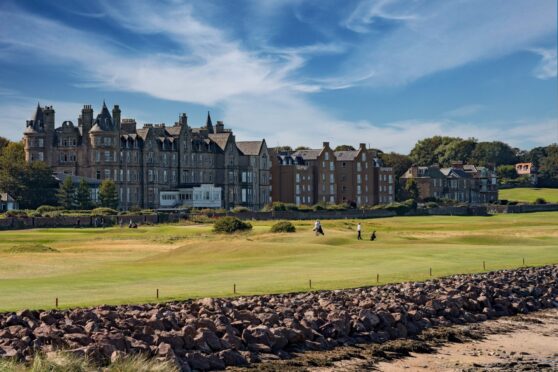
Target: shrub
column 200, row 218
column 540, row 201
column 230, row 224
column 431, row 205
column 304, row 208
column 283, row 227
column 104, row 212
column 320, row 206
column 48, row 208
column 240, row 209
column 16, row 213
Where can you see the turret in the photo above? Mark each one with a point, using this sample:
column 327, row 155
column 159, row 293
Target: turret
column 116, row 117
column 209, row 124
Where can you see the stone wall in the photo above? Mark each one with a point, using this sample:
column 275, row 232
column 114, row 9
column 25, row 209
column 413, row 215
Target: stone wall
column 522, row 208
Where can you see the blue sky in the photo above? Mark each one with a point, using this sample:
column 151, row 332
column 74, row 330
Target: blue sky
column 383, row 72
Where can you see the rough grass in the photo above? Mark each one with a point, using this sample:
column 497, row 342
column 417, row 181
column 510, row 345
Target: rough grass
column 66, row 362
column 30, row 248
column 529, row 195
column 120, row 265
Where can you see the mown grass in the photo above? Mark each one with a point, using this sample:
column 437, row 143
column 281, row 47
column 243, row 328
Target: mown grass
column 114, row 265
column 529, row 195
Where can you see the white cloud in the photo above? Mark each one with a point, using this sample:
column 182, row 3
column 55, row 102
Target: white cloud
column 548, row 66
column 286, row 119
column 442, row 35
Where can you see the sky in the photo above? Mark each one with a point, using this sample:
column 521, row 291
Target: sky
column 382, row 72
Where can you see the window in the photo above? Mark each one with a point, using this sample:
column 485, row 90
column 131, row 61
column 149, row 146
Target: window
column 297, row 177
column 323, row 164
column 298, row 189
column 150, row 175
column 326, row 157
column 331, row 178
column 107, row 141
column 98, row 174
column 165, row 176
column 41, row 156
column 331, row 191
column 128, row 176
column 359, row 189
column 331, row 166
column 358, row 179
column 363, row 156
column 41, row 142
column 107, row 155
column 358, row 167
column 121, row 175
column 343, row 164
column 107, row 173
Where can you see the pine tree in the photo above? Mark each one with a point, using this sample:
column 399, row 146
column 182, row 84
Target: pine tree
column 66, row 194
column 108, row 195
column 83, row 195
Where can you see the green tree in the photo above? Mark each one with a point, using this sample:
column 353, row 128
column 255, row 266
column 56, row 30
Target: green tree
column 3, row 142
column 506, row 171
column 31, row 184
column 283, row 149
column 425, row 150
column 548, row 165
column 67, row 194
column 456, row 150
column 83, row 195
column 108, row 195
column 400, row 163
column 344, row 148
column 493, row 153
column 302, row 148
column 411, row 188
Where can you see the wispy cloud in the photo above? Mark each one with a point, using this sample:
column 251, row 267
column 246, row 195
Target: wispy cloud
column 463, row 111
column 442, row 35
column 548, row 66
column 369, row 12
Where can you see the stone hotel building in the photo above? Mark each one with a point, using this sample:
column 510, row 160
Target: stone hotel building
column 155, row 166
column 323, row 175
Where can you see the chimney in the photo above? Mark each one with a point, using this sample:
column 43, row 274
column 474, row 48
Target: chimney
column 219, row 127
column 183, row 119
column 362, row 146
column 326, row 144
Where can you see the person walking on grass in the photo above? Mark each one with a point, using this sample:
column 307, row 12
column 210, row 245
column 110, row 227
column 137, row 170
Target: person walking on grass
column 373, row 236
column 318, row 228
column 359, row 232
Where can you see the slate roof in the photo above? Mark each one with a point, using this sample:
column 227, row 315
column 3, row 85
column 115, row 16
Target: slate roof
column 60, row 177
column 220, row 139
column 346, row 155
column 311, row 154
column 104, row 120
column 454, row 172
column 250, row 147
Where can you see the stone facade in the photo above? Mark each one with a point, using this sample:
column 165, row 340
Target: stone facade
column 146, row 161
column 462, row 183
column 323, row 175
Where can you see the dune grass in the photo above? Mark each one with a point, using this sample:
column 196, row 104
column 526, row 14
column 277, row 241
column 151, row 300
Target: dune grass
column 529, row 195
column 114, row 265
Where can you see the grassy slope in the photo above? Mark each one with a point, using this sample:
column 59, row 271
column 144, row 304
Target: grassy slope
column 526, row 194
column 92, row 266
